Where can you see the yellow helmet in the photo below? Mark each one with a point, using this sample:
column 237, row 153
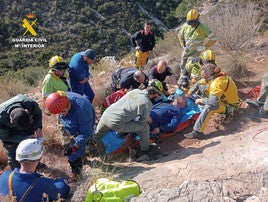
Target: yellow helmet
column 208, row 56
column 192, row 16
column 54, row 60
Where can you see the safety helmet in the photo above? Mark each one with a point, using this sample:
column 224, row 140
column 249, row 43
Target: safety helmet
column 57, row 62
column 208, row 56
column 29, row 149
column 155, row 85
column 56, row 102
column 192, row 17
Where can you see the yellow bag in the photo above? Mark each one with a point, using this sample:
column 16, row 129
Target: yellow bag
column 105, row 190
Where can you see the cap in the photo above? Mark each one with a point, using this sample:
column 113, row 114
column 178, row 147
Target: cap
column 89, row 53
column 20, row 118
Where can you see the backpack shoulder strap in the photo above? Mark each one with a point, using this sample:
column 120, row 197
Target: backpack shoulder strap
column 29, row 189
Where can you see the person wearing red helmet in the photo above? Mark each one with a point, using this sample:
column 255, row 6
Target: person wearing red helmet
column 78, row 118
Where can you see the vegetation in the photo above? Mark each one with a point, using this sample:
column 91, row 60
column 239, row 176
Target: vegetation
column 106, row 27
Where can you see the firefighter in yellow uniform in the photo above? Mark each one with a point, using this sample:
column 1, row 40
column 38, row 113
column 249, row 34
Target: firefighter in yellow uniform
column 191, row 73
column 220, row 96
column 194, row 37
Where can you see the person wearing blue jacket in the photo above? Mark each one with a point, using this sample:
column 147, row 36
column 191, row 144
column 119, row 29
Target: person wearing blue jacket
column 25, row 184
column 78, row 117
column 166, row 117
column 79, row 73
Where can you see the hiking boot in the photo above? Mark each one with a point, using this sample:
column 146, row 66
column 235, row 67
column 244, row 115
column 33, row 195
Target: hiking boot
column 142, row 155
column 253, row 103
column 195, row 135
column 263, row 113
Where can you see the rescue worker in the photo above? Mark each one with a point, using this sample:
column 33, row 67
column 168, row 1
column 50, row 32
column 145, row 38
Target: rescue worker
column 143, row 41
column 78, row 118
column 25, row 184
column 262, row 100
column 160, row 72
column 55, row 80
column 20, row 119
column 221, row 96
column 191, row 73
column 194, row 37
column 79, row 73
column 130, row 114
column 128, row 78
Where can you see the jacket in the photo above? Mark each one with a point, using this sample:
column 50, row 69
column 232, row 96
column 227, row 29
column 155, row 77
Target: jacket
column 53, row 83
column 79, row 122
column 220, row 89
column 127, row 80
column 193, row 37
column 165, row 116
column 78, row 70
column 146, row 42
column 154, row 74
column 8, row 132
column 135, row 105
column 21, row 182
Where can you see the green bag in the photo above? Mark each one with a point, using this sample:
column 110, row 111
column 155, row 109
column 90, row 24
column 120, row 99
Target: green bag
column 105, row 190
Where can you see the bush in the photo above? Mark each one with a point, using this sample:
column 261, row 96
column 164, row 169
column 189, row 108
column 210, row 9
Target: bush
column 235, row 23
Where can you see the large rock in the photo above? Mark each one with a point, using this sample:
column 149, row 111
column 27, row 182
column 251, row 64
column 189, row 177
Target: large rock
column 226, row 168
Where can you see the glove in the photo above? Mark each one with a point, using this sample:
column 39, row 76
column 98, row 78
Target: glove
column 69, row 150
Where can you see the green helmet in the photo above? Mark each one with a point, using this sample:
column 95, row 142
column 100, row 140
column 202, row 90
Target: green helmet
column 156, row 86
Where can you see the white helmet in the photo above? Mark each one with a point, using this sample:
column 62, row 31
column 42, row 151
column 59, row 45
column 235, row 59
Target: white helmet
column 29, row 149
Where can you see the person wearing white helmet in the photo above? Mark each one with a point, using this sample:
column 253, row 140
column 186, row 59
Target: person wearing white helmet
column 25, row 183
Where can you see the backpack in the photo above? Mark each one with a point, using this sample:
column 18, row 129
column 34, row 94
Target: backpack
column 114, row 97
column 108, row 190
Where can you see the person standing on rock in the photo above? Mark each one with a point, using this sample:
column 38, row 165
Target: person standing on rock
column 194, row 37
column 79, row 73
column 262, row 101
column 143, row 41
column 78, row 118
column 220, row 95
column 20, row 119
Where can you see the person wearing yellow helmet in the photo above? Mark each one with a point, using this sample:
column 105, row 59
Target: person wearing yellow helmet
column 194, row 37
column 191, row 73
column 55, row 80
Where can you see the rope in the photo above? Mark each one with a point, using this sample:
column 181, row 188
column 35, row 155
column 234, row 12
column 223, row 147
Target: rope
column 259, row 132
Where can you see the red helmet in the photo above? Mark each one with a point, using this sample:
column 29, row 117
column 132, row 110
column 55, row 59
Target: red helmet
column 56, row 102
